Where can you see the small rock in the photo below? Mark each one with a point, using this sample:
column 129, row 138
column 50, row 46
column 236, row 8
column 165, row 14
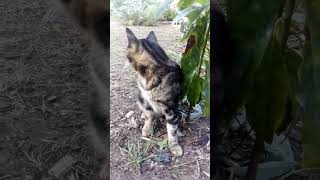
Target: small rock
column 62, row 166
column 51, row 98
column 163, row 157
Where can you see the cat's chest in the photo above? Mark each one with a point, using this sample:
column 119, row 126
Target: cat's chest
column 146, row 94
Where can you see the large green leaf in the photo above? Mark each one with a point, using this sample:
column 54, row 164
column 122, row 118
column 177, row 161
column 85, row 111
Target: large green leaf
column 182, row 4
column 266, row 104
column 272, row 98
column 193, row 17
column 191, row 60
column 163, row 7
column 194, row 90
column 293, row 62
column 249, row 44
column 185, row 12
column 259, row 13
column 311, row 86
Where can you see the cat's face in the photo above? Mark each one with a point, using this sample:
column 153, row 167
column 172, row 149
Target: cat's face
column 144, row 52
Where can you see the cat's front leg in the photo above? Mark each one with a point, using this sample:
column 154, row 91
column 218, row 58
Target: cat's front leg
column 147, row 129
column 172, row 130
column 147, row 115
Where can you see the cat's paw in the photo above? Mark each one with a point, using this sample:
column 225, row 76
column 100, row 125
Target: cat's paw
column 176, row 150
column 147, row 131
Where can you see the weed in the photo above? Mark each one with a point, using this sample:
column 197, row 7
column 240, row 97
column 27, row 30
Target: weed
column 136, row 151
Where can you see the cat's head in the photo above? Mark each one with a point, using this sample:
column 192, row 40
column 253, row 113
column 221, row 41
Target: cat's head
column 144, row 52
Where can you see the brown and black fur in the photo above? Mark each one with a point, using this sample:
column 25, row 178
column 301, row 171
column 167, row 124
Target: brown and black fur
column 160, row 82
column 92, row 16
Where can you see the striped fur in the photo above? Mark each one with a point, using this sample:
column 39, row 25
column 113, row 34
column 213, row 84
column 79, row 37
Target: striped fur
column 160, row 83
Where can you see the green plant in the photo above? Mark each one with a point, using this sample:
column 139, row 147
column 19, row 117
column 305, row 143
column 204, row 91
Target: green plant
column 195, row 61
column 271, row 81
column 135, row 13
column 135, row 152
column 271, row 78
column 170, row 14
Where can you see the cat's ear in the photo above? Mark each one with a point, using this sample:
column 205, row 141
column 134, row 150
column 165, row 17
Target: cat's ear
column 132, row 39
column 152, row 37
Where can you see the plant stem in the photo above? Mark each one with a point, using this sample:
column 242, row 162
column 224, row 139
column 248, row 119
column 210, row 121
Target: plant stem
column 189, row 112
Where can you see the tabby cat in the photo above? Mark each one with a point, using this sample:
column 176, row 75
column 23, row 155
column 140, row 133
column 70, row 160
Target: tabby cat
column 160, row 84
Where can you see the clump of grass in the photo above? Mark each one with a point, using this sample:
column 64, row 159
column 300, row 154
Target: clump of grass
column 136, row 151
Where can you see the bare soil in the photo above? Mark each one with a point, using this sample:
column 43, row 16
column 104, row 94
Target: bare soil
column 43, row 94
column 43, row 101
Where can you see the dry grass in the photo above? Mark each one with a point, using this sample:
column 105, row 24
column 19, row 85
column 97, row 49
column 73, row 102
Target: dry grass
column 44, row 91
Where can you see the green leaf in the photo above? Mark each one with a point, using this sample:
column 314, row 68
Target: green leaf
column 266, row 105
column 182, row 4
column 279, row 27
column 261, row 14
column 249, row 41
column 193, row 18
column 187, row 11
column 163, row 7
column 311, row 86
column 293, row 62
column 195, row 89
column 202, row 1
column 191, row 60
column 163, row 144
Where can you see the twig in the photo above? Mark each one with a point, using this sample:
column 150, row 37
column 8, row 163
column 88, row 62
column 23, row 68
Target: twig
column 5, row 176
column 184, row 164
column 198, row 168
column 38, row 164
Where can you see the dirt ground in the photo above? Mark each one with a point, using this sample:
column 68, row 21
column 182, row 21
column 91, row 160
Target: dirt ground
column 43, row 94
column 43, row 102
